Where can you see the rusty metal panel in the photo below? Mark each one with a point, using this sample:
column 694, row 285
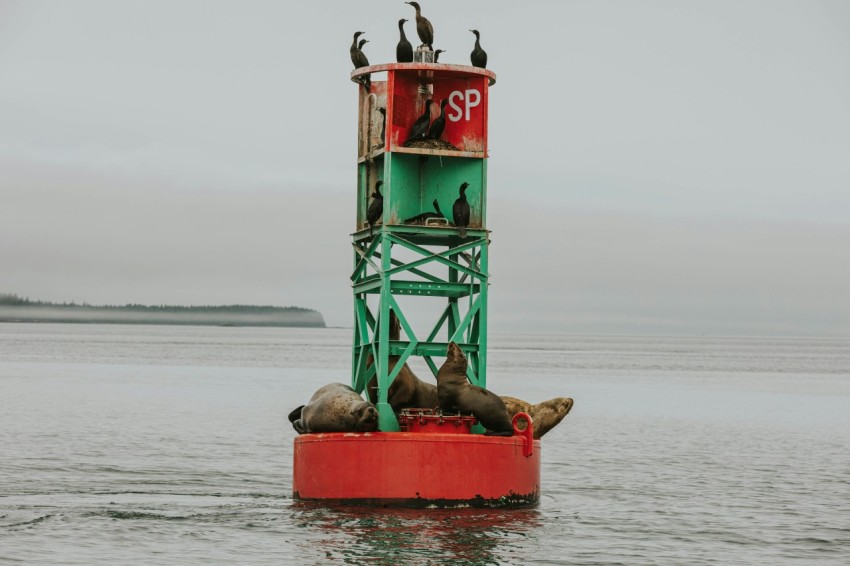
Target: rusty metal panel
column 370, row 120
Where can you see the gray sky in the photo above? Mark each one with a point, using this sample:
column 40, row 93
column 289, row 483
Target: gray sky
column 656, row 167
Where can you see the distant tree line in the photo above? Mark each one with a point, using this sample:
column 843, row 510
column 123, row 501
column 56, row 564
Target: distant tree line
column 17, row 308
column 11, row 299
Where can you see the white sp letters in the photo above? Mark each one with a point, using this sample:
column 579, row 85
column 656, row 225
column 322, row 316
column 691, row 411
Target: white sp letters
column 471, row 98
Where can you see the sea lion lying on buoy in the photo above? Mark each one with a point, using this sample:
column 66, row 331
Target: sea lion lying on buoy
column 406, row 390
column 456, row 394
column 335, row 408
column 544, row 416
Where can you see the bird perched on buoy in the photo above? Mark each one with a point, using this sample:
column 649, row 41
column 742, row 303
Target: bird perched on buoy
column 438, row 125
column 478, row 55
column 404, row 50
column 460, row 211
column 419, row 218
column 383, row 112
column 358, row 58
column 419, row 131
column 437, row 55
column 423, row 27
column 437, row 208
column 376, row 208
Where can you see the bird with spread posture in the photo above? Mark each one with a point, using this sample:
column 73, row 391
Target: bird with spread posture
column 423, row 27
column 419, row 131
column 437, row 55
column 404, row 50
column 376, row 208
column 421, row 218
column 460, row 211
column 358, row 58
column 439, row 124
column 478, row 55
column 437, row 208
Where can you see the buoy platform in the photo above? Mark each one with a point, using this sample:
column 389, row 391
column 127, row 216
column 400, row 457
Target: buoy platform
column 435, row 462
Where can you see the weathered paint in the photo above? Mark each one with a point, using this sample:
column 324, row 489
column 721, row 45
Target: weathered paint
column 466, row 123
column 417, row 469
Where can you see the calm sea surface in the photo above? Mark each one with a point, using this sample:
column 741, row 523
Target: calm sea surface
column 167, row 444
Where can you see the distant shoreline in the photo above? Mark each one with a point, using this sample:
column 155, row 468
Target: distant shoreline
column 231, row 315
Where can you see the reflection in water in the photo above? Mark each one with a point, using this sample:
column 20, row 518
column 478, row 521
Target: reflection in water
column 411, row 536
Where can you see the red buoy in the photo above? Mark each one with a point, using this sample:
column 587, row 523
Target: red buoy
column 434, row 464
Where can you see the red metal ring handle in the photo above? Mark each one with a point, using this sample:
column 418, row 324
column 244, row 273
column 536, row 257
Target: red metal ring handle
column 527, row 434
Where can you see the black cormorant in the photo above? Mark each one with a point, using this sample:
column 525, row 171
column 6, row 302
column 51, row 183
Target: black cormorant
column 376, row 208
column 419, row 131
column 423, row 27
column 367, row 78
column 383, row 112
column 404, row 50
column 460, row 211
column 426, row 215
column 358, row 58
column 437, row 55
column 478, row 55
column 439, row 124
column 437, row 208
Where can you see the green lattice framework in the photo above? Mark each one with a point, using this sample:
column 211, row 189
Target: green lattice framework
column 463, row 316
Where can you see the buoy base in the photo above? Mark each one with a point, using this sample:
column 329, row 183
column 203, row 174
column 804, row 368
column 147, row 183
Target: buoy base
column 512, row 501
column 417, row 469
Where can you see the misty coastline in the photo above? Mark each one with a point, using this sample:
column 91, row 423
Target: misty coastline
column 16, row 309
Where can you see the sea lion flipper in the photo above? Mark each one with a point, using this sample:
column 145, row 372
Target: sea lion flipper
column 299, row 427
column 295, row 414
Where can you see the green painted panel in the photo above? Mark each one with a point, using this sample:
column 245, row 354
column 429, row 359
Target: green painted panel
column 416, row 180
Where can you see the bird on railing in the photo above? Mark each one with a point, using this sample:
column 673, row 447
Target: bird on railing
column 438, row 125
column 358, row 58
column 419, row 131
column 404, row 50
column 460, row 211
column 376, row 208
column 437, row 55
column 423, row 27
column 478, row 55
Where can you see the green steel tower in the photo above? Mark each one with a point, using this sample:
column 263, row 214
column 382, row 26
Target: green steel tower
column 404, row 254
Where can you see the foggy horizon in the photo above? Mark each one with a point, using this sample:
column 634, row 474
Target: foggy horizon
column 655, row 168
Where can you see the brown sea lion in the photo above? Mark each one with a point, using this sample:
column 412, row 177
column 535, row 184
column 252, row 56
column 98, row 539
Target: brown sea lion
column 456, row 394
column 335, row 408
column 406, row 390
column 545, row 415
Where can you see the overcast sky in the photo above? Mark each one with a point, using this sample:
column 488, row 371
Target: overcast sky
column 655, row 167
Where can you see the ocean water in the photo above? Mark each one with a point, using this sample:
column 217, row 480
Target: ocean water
column 163, row 444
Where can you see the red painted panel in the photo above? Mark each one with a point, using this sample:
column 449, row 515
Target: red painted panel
column 411, row 467
column 466, row 113
column 466, row 123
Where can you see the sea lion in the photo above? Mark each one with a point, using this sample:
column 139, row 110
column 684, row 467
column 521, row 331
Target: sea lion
column 406, row 390
column 545, row 416
column 456, row 394
column 335, row 408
